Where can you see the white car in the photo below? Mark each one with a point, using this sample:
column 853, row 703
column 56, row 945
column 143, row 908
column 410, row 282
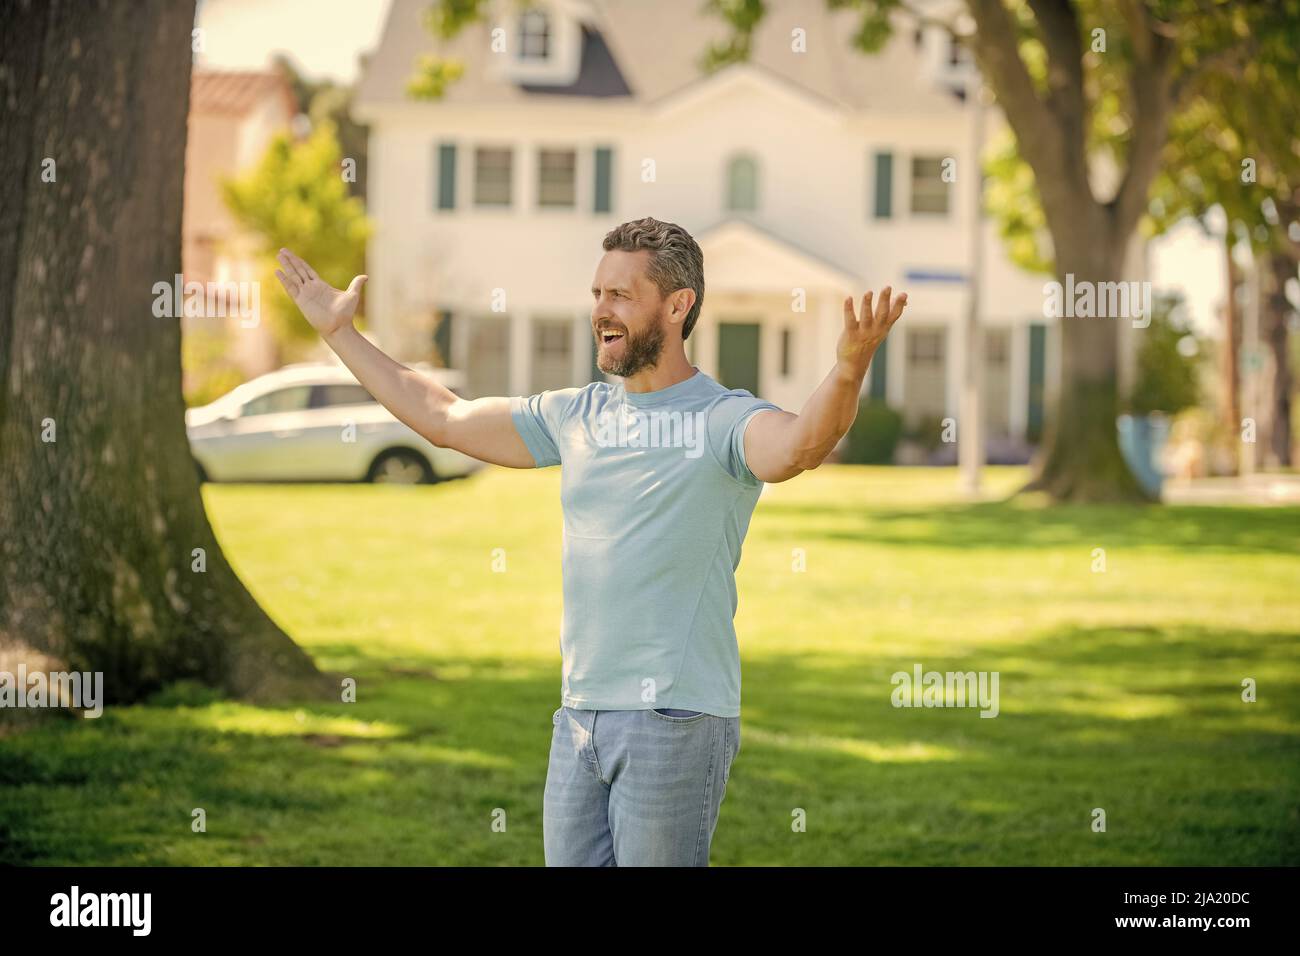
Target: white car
column 315, row 422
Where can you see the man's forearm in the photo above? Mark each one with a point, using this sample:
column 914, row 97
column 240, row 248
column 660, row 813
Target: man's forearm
column 826, row 416
column 416, row 400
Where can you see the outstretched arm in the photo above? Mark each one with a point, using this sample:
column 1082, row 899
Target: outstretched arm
column 780, row 445
column 481, row 428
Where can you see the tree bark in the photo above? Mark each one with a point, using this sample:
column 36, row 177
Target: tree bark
column 101, row 511
column 1080, row 458
column 1278, row 309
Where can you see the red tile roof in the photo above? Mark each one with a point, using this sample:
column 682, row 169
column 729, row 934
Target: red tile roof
column 237, row 92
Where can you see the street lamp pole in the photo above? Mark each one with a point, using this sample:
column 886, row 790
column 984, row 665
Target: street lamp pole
column 970, row 430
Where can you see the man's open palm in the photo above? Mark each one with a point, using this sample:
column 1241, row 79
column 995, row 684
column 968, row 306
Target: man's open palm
column 327, row 309
column 863, row 334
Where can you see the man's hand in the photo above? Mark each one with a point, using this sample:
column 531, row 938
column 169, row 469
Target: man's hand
column 779, row 445
column 325, row 307
column 862, row 336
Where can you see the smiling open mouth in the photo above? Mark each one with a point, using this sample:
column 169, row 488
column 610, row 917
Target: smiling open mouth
column 610, row 335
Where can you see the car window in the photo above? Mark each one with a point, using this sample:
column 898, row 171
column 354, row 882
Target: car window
column 329, row 396
column 282, row 400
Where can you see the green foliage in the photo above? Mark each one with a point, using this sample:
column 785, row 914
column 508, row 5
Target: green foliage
column 1166, row 378
column 209, row 372
column 874, row 434
column 1234, row 145
column 741, row 17
column 1011, row 198
column 325, row 101
column 433, row 74
column 927, row 432
column 446, row 18
column 296, row 197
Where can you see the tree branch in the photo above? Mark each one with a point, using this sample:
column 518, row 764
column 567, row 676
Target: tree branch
column 1040, row 137
column 1228, row 58
column 1151, row 94
column 1058, row 25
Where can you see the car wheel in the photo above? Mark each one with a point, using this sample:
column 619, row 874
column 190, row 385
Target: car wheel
column 401, row 466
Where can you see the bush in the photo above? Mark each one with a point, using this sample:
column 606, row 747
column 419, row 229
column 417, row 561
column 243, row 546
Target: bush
column 927, row 432
column 873, row 435
column 1166, row 362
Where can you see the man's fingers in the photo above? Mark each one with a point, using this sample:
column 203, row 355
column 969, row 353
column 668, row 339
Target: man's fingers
column 882, row 308
column 850, row 320
column 866, row 309
column 291, row 266
column 291, row 286
column 898, row 308
column 304, row 268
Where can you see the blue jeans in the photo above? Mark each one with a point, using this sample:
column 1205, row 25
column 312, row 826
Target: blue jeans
column 635, row 787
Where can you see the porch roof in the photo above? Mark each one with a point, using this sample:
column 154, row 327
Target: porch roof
column 741, row 257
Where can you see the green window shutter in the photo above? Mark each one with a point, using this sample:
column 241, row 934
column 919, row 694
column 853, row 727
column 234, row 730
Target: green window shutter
column 446, row 175
column 442, row 338
column 604, row 179
column 879, row 371
column 884, row 185
column 1037, row 376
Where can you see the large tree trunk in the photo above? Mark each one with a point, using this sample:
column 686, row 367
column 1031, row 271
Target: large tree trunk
column 1277, row 314
column 98, row 526
column 1080, row 459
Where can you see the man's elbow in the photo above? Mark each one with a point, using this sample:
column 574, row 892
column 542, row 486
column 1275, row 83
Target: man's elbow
column 437, row 424
column 808, row 461
column 810, row 457
column 791, row 465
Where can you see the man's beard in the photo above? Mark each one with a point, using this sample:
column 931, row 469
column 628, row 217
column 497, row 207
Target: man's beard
column 639, row 352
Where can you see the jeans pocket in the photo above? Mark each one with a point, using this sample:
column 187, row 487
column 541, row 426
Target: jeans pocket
column 733, row 740
column 670, row 714
column 555, row 718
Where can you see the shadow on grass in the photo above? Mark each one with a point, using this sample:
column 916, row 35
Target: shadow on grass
column 999, row 524
column 1145, row 724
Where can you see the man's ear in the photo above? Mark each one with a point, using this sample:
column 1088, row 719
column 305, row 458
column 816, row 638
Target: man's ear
column 682, row 300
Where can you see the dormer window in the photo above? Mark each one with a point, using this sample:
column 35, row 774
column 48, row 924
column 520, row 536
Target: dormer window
column 534, row 36
column 946, row 61
column 545, row 48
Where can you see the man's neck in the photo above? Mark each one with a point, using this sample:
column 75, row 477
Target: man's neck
column 669, row 371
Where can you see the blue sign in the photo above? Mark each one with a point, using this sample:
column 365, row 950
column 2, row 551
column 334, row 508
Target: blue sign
column 919, row 275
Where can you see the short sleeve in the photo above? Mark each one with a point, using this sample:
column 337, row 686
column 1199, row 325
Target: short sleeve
column 728, row 418
column 538, row 418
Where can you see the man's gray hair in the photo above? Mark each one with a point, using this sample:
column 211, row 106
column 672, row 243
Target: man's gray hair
column 676, row 261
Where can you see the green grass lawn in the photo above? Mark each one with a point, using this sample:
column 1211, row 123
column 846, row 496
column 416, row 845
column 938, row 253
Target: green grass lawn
column 1119, row 690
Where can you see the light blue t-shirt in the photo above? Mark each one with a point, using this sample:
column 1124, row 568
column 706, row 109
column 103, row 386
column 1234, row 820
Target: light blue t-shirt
column 657, row 499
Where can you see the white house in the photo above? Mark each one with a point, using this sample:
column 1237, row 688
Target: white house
column 809, row 173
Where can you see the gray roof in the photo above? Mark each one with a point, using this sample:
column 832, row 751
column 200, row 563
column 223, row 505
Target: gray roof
column 647, row 50
column 598, row 74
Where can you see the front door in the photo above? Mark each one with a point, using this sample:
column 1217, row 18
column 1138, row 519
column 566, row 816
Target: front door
column 738, row 355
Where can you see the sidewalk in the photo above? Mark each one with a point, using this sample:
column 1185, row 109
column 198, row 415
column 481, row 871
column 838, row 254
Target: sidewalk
column 1259, row 489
